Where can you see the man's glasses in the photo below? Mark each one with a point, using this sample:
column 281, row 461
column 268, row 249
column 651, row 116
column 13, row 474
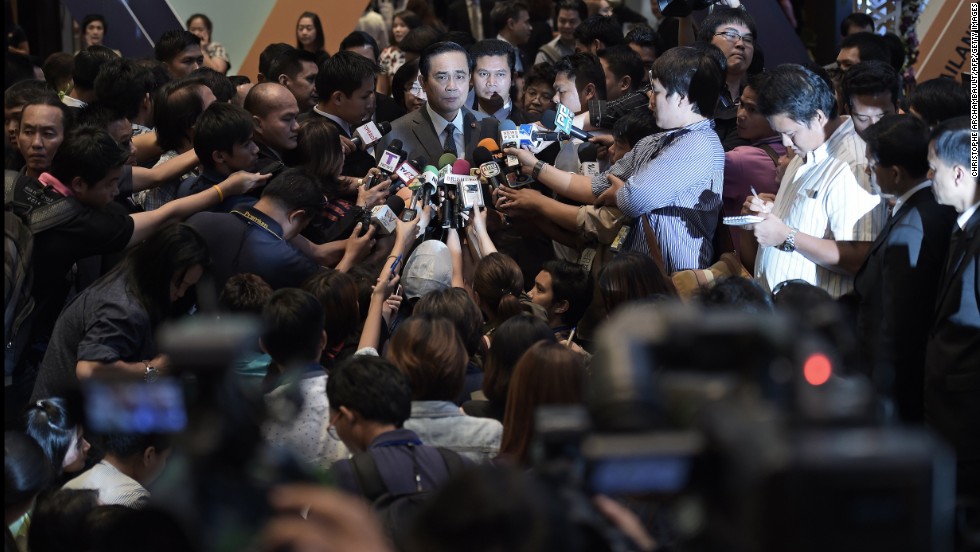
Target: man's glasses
column 733, row 37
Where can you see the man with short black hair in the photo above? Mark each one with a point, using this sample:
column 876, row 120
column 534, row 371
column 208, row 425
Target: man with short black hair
column 345, row 91
column 223, row 142
column 952, row 390
column 267, row 56
column 823, row 219
column 297, row 71
column 370, row 400
column 444, row 124
column 274, row 112
column 564, row 290
column 180, row 52
column 294, row 338
column 870, row 91
column 513, row 24
column 646, row 43
column 493, row 72
column 44, row 122
column 598, row 32
column 579, row 78
column 898, row 281
column 569, row 14
column 623, row 68
column 128, row 86
column 856, row 22
column 85, row 69
column 132, row 462
column 263, row 239
column 859, row 47
column 939, row 99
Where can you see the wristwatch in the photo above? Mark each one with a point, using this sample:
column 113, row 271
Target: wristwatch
column 789, row 245
column 151, row 373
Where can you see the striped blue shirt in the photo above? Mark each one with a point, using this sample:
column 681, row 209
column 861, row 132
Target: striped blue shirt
column 675, row 178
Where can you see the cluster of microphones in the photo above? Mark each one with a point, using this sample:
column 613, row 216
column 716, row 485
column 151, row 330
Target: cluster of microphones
column 452, row 186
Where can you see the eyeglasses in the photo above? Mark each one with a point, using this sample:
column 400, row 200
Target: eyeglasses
column 733, row 37
column 332, row 429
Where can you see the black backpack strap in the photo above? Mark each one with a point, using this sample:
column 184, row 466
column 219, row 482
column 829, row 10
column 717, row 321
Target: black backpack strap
column 367, row 474
column 454, row 462
column 770, row 152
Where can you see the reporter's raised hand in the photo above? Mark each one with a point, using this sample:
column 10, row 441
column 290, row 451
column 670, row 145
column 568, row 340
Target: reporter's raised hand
column 526, row 158
column 242, row 181
column 347, row 145
column 335, row 522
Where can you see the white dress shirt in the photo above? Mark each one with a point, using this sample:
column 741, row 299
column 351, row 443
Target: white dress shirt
column 819, row 196
column 439, row 124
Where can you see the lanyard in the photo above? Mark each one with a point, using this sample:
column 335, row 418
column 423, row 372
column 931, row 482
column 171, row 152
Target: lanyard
column 252, row 219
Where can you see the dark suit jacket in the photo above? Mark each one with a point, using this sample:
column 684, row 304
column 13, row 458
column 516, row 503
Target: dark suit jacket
column 419, row 138
column 458, row 18
column 952, row 384
column 387, row 108
column 896, row 287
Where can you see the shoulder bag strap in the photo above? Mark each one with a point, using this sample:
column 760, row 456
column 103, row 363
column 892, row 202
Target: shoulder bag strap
column 454, row 462
column 652, row 244
column 367, row 474
column 770, row 152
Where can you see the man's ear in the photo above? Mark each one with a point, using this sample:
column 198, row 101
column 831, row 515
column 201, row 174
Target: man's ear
column 597, row 45
column 336, row 97
column 296, row 216
column 625, row 83
column 587, row 95
column 349, row 414
column 218, row 157
column 77, row 184
column 262, row 346
column 283, row 80
column 323, row 340
column 561, row 307
column 149, row 454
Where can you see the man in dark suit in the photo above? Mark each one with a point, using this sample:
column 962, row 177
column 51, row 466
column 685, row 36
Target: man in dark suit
column 457, row 18
column 444, row 124
column 513, row 25
column 493, row 77
column 345, row 88
column 897, row 283
column 952, row 385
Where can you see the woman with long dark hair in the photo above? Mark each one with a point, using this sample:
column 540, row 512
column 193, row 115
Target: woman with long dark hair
column 110, row 327
column 309, row 36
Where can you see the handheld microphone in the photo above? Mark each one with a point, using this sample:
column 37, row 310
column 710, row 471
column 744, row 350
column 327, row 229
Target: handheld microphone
column 489, row 168
column 430, row 179
column 369, row 133
column 445, row 159
column 508, row 163
column 391, row 157
column 461, row 166
column 548, row 120
column 588, row 156
column 410, row 169
column 509, row 136
column 383, row 216
column 409, row 213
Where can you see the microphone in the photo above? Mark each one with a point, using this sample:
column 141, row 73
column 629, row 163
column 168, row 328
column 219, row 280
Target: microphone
column 588, row 155
column 508, row 163
column 410, row 169
column 446, row 159
column 489, row 168
column 430, row 179
column 391, row 156
column 461, row 166
column 369, row 133
column 470, row 193
column 509, row 137
column 548, row 120
column 383, row 217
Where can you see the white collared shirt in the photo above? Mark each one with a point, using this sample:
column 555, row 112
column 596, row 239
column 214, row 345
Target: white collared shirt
column 73, row 102
column 500, row 114
column 819, row 196
column 905, row 197
column 439, row 124
column 343, row 124
column 965, row 216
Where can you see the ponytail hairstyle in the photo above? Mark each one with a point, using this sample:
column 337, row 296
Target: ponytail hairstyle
column 54, row 427
column 498, row 283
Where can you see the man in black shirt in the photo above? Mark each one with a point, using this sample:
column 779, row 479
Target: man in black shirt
column 274, row 112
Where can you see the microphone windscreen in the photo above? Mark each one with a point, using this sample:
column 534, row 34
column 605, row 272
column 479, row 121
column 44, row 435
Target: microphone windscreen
column 446, row 159
column 548, row 118
column 482, row 155
column 461, row 166
column 396, row 204
column 384, row 127
column 396, row 144
column 588, row 152
column 507, row 124
column 489, row 143
column 419, row 162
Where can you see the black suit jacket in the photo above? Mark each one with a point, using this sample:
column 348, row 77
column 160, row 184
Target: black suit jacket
column 387, row 108
column 419, row 138
column 458, row 18
column 896, row 287
column 952, row 382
